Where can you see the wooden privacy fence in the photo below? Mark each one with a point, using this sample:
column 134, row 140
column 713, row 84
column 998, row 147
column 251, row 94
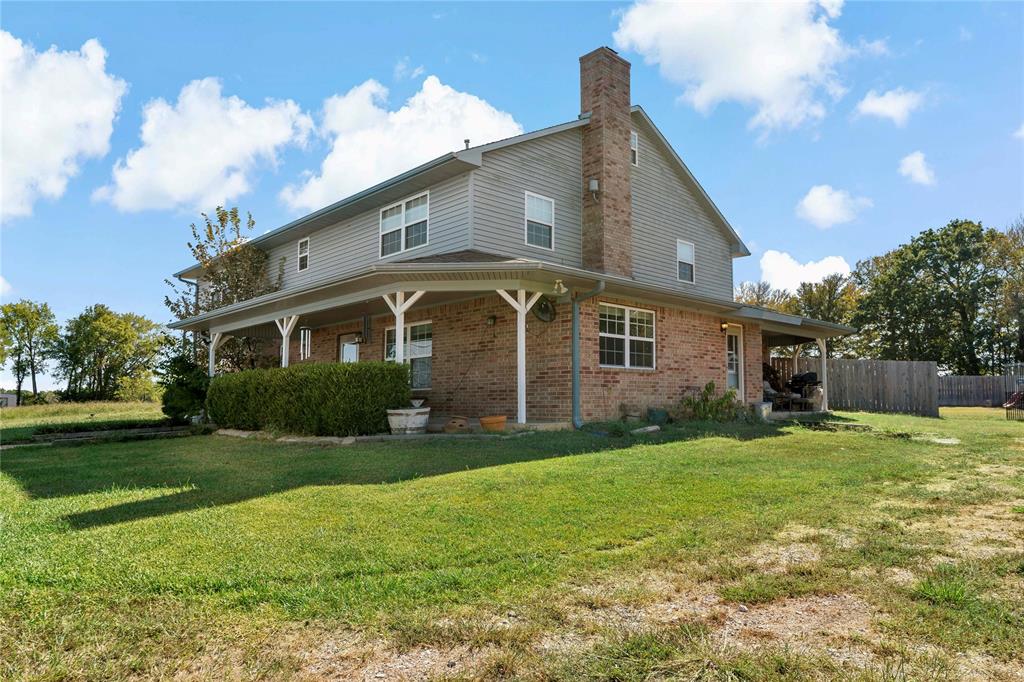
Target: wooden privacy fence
column 908, row 387
column 972, row 391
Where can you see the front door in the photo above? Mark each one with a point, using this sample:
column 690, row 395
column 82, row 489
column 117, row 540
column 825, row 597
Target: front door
column 734, row 360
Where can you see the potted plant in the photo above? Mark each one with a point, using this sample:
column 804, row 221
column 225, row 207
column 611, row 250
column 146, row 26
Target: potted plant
column 493, row 423
column 409, row 419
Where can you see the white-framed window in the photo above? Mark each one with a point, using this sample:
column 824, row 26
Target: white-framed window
column 419, row 347
column 634, row 148
column 404, row 225
column 302, row 257
column 684, row 260
column 540, row 221
column 626, row 336
column 305, row 343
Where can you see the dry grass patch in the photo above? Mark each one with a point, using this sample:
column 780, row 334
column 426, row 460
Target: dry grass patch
column 980, row 531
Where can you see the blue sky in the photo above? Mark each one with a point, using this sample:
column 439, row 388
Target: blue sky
column 804, row 159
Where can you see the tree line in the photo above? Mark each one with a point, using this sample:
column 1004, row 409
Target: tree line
column 100, row 353
column 954, row 295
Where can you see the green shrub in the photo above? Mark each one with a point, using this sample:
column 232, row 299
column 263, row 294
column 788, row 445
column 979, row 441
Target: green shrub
column 311, row 399
column 706, row 406
column 184, row 382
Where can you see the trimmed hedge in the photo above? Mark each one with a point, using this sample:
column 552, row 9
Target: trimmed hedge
column 347, row 399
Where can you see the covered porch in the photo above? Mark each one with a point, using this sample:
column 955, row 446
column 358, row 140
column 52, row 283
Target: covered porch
column 462, row 328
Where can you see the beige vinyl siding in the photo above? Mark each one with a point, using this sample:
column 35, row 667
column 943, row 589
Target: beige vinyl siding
column 667, row 207
column 550, row 166
column 353, row 244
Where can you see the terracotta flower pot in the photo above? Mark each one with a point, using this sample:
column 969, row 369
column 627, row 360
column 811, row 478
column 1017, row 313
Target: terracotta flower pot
column 494, row 423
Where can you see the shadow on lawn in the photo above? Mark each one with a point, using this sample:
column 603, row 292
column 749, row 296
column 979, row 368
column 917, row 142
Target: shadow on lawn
column 218, row 470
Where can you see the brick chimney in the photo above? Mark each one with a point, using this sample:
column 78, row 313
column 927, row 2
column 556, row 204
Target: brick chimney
column 607, row 219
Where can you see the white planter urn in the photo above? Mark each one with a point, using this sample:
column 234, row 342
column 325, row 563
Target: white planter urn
column 409, row 420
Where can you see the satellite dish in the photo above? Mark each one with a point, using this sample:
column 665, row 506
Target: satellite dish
column 544, row 309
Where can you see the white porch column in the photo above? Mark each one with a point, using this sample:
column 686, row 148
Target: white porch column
column 521, row 306
column 398, row 306
column 824, row 374
column 216, row 338
column 285, row 325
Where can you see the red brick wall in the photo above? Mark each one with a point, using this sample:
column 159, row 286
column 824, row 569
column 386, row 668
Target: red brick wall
column 608, row 216
column 474, row 364
column 689, row 352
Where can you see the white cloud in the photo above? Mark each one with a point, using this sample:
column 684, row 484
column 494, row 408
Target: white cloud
column 58, row 109
column 369, row 143
column 824, row 206
column 202, row 150
column 778, row 57
column 404, row 69
column 874, row 48
column 915, row 168
column 783, row 271
column 5, row 286
column 895, row 105
column 1019, row 133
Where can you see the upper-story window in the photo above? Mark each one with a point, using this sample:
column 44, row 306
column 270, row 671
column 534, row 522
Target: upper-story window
column 403, row 226
column 626, row 337
column 684, row 261
column 303, row 254
column 634, row 148
column 540, row 221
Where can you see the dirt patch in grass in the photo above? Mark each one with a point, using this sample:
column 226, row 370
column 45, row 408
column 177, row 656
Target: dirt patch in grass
column 980, row 531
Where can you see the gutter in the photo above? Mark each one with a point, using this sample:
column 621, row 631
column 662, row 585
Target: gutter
column 577, row 417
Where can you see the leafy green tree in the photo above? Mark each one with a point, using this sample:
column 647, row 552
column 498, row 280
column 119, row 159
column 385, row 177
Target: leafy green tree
column 140, row 387
column 233, row 271
column 100, row 347
column 764, row 295
column 935, row 299
column 28, row 331
column 185, row 383
column 833, row 299
column 1009, row 255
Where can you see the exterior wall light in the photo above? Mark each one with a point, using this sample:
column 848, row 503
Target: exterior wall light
column 492, row 320
column 725, row 326
column 559, row 288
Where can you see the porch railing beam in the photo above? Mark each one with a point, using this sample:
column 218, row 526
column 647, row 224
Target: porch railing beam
column 285, row 325
column 216, row 338
column 521, row 304
column 398, row 306
column 824, row 374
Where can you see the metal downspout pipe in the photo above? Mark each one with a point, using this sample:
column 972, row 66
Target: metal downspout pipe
column 577, row 417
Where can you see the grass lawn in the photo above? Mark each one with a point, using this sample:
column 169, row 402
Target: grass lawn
column 705, row 552
column 20, row 423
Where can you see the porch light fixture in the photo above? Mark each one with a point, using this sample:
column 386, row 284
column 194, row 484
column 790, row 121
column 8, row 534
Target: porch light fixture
column 725, row 326
column 559, row 288
column 492, row 320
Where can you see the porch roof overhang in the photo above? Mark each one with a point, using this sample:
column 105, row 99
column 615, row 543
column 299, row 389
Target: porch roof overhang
column 445, row 279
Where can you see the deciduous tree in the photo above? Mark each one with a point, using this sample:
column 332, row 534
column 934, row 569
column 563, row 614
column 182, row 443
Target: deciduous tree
column 29, row 331
column 232, row 270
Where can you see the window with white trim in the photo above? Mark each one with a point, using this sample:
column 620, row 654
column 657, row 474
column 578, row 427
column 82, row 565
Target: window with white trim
column 634, row 148
column 684, row 261
column 540, row 221
column 305, row 343
column 419, row 347
column 302, row 258
column 626, row 337
column 403, row 226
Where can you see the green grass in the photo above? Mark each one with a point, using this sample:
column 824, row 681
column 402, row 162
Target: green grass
column 21, row 423
column 141, row 558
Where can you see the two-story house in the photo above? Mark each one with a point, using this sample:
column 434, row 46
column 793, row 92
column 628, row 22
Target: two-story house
column 557, row 274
